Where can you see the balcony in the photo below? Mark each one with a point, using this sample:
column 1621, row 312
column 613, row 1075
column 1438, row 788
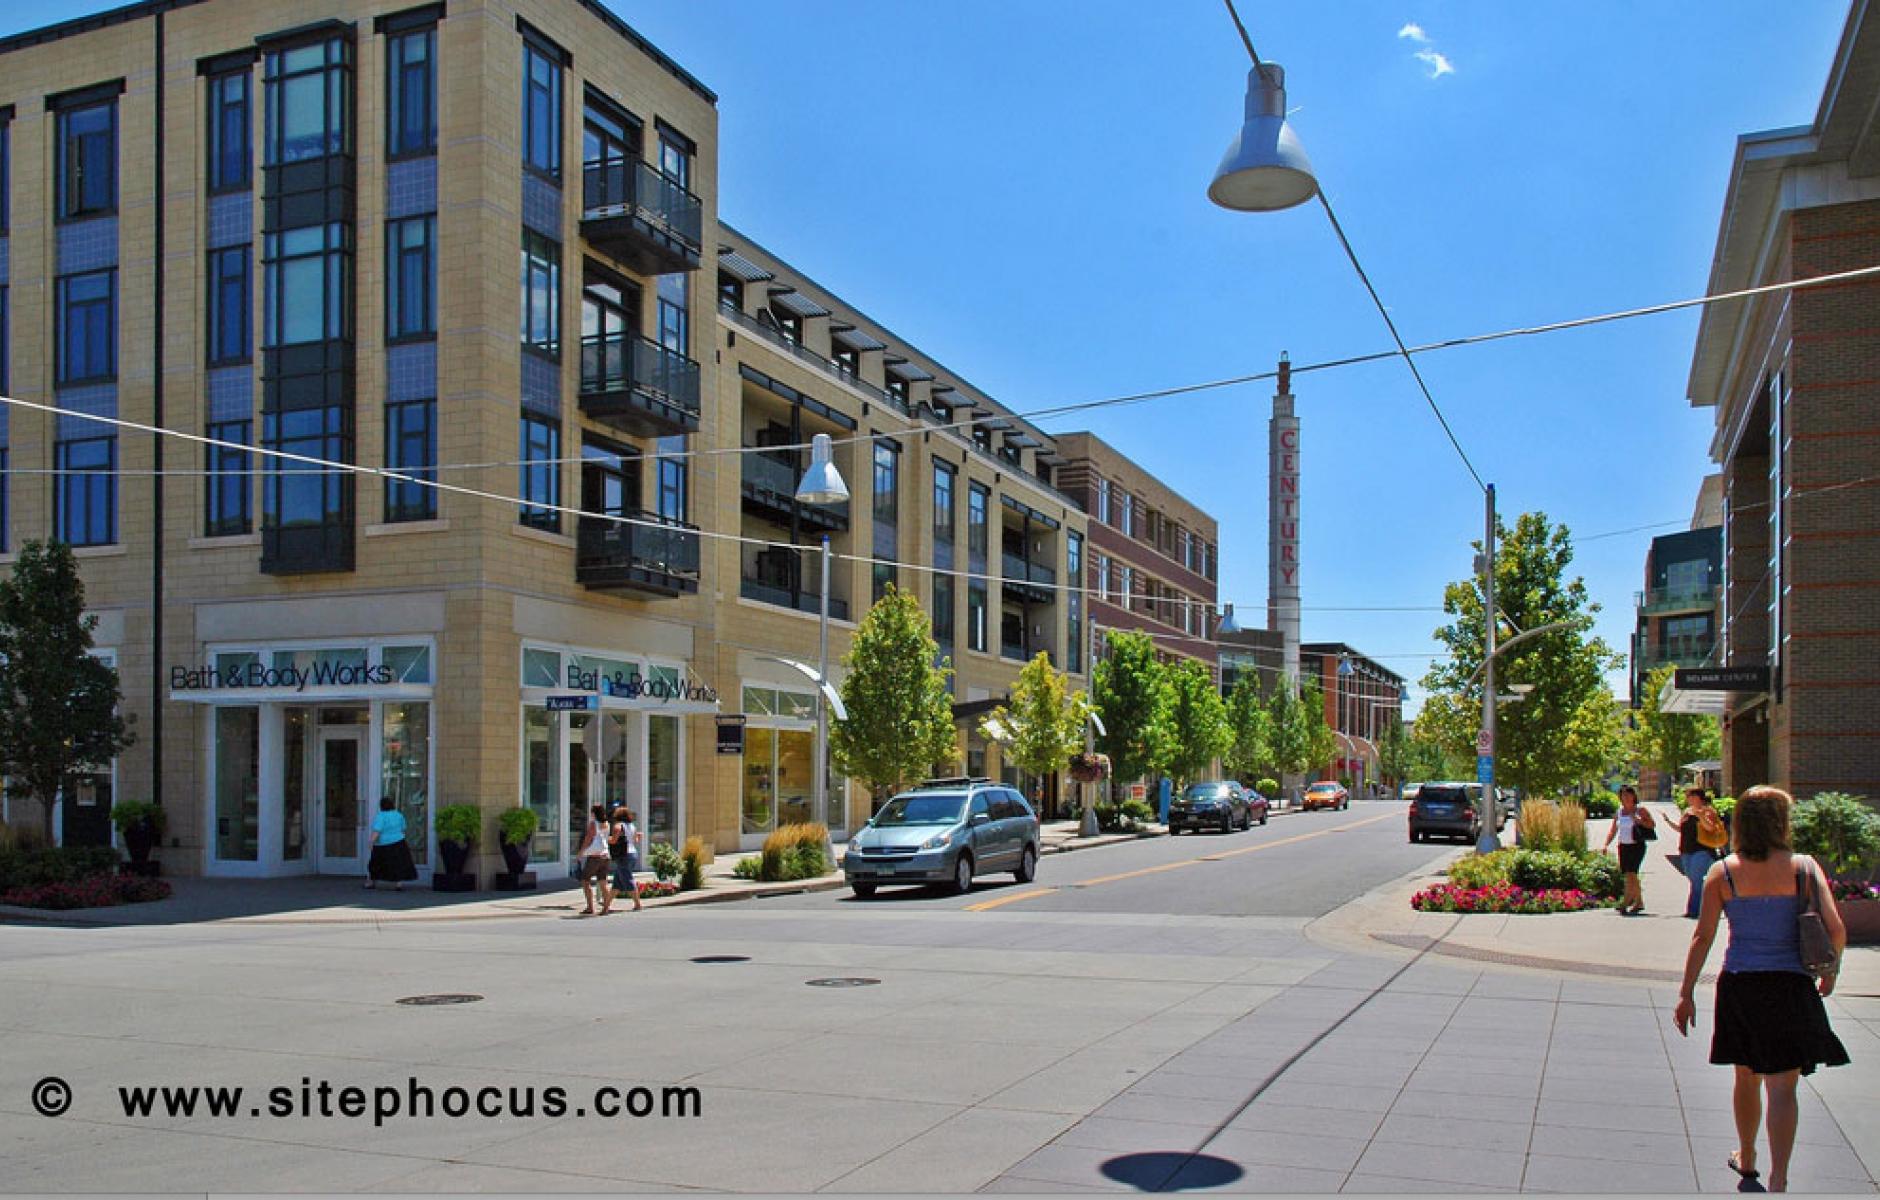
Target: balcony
column 770, row 492
column 637, row 216
column 834, row 369
column 810, row 602
column 1675, row 652
column 656, row 559
column 638, row 386
column 1663, row 601
column 1033, row 583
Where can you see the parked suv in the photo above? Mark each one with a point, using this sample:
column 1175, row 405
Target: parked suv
column 1222, row 805
column 945, row 831
column 1446, row 810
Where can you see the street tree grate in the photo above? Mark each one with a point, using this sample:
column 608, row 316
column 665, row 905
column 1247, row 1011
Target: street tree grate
column 440, row 998
column 843, row 981
column 709, row 959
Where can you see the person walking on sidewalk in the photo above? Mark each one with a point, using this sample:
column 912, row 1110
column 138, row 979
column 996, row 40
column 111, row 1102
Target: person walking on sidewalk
column 623, row 844
column 1701, row 841
column 594, row 859
column 1769, row 1021
column 1632, row 826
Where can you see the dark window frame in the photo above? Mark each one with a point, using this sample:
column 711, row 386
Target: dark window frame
column 400, row 326
column 76, row 174
column 228, row 479
column 672, row 485
column 230, row 164
column 405, row 501
column 541, row 267
column 336, row 100
column 335, row 251
column 332, row 442
column 62, row 316
column 87, row 487
column 543, row 160
column 539, row 473
column 217, row 307
column 407, row 136
column 945, row 490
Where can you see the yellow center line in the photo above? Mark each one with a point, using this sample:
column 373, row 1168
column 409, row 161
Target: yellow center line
column 1011, row 898
column 1299, row 837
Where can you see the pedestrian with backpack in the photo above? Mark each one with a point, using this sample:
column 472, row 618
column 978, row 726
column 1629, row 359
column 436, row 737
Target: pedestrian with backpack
column 1702, row 839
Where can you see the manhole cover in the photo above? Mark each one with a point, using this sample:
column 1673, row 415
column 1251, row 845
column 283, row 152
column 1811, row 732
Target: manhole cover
column 843, row 981
column 441, row 998
column 721, row 958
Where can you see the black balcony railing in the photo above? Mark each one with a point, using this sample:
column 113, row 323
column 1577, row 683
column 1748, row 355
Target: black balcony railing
column 770, row 486
column 1034, row 580
column 641, row 216
column 767, row 592
column 639, row 386
column 1685, row 651
column 655, row 555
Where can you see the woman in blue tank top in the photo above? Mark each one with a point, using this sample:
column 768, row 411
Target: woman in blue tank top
column 1770, row 1023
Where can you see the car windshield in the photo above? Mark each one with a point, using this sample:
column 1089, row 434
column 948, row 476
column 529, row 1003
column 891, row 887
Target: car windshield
column 1441, row 795
column 1323, row 787
column 940, row 809
column 1205, row 791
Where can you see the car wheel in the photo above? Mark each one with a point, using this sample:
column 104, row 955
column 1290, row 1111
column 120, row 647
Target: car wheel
column 863, row 890
column 1263, row 816
column 962, row 874
column 1227, row 823
column 1027, row 866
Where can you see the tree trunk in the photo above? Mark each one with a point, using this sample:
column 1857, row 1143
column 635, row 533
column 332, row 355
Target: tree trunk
column 50, row 806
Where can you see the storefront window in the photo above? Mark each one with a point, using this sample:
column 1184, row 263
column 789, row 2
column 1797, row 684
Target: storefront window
column 662, row 779
column 409, row 664
column 541, row 783
column 796, row 750
column 541, row 668
column 406, row 770
column 238, row 784
column 580, row 779
column 759, row 769
column 293, row 781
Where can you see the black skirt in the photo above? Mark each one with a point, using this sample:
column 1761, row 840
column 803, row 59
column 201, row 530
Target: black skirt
column 1771, row 1022
column 1631, row 856
column 392, row 864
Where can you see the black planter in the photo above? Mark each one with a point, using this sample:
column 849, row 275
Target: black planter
column 516, row 858
column 456, row 854
column 140, row 838
column 453, row 881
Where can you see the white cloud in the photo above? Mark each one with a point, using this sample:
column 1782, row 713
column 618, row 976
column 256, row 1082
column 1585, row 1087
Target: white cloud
column 1414, row 32
column 1438, row 63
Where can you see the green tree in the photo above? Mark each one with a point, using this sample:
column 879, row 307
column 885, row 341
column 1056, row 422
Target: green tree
column 1291, row 733
column 900, row 716
column 1043, row 725
column 1552, row 739
column 1132, row 697
column 58, row 704
column 1669, row 740
column 1393, row 754
column 1250, row 727
column 1321, row 741
column 1198, row 727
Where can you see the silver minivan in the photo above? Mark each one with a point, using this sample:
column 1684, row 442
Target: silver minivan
column 945, row 831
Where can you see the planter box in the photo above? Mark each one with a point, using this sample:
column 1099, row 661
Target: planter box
column 148, row 869
column 522, row 881
column 1862, row 918
column 446, row 881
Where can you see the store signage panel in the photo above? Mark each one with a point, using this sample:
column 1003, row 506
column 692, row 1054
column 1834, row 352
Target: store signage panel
column 637, row 687
column 1721, row 679
column 731, row 733
column 287, row 677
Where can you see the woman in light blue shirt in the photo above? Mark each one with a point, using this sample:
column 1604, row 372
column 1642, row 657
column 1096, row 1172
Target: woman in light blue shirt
column 391, row 860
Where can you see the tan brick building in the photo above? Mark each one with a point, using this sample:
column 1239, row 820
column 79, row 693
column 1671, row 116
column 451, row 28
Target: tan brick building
column 476, row 242
column 1794, row 379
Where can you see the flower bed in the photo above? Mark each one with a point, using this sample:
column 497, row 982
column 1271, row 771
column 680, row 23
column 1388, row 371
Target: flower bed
column 96, row 891
column 1855, row 889
column 653, row 889
column 1503, row 898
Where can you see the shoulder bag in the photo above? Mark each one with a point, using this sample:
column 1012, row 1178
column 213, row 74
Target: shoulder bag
column 1817, row 948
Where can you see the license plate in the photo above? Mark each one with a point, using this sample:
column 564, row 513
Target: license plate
column 884, row 870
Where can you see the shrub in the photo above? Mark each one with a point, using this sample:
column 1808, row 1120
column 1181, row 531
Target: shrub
column 1600, row 876
column 1539, row 869
column 1501, row 898
column 1725, row 805
column 92, row 891
column 1846, row 890
column 459, row 823
column 54, row 864
column 514, row 826
column 1601, row 804
column 126, row 813
column 806, row 861
column 1124, row 816
column 1481, row 870
column 1540, row 825
column 1839, row 830
column 751, row 868
column 1268, row 787
column 21, row 837
column 692, row 865
column 664, row 861
column 794, row 852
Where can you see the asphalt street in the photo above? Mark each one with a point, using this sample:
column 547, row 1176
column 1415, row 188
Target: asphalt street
column 1112, row 1032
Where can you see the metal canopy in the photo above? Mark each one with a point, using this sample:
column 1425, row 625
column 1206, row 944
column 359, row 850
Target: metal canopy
column 908, row 370
column 735, row 264
column 1020, row 506
column 1021, row 439
column 792, row 301
column 856, row 339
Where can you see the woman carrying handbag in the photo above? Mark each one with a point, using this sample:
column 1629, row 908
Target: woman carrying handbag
column 1632, row 826
column 1782, row 956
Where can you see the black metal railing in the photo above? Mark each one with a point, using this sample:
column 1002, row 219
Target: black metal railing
column 634, row 188
column 767, row 592
column 1018, row 570
column 657, row 547
column 622, row 362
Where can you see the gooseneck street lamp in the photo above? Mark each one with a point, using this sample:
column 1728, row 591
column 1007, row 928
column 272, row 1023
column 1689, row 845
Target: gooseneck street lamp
column 822, row 484
column 1265, row 168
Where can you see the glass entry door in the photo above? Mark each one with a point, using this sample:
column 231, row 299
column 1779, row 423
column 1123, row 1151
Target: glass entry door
column 341, row 822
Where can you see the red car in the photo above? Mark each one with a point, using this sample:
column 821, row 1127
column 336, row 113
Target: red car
column 1326, row 794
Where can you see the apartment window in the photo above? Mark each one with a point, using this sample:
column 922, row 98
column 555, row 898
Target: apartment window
column 675, row 159
column 226, row 498
column 848, row 361
column 670, row 479
column 84, row 511
column 982, row 438
column 230, row 133
column 541, row 472
column 882, row 577
column 943, row 613
column 897, row 390
column 411, row 449
column 943, row 480
column 1127, row 585
column 1211, row 566
column 301, row 495
column 308, row 279
column 541, row 294
column 6, row 174
column 730, row 292
column 675, row 321
column 610, row 144
column 976, row 614
column 230, row 307
column 411, row 93
column 1183, row 549
column 1128, row 505
column 1101, row 570
column 976, row 501
column 609, row 316
column 85, row 307
column 87, row 161
column 309, row 98
column 1103, row 501
column 4, row 544
column 887, row 480
column 541, row 110
column 4, row 364
column 788, row 324
column 1074, row 608
column 410, row 278
column 1688, row 578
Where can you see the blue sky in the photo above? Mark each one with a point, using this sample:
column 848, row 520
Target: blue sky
column 1018, row 187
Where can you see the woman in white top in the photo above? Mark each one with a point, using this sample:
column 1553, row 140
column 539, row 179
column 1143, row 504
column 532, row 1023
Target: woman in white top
column 1628, row 827
column 594, row 859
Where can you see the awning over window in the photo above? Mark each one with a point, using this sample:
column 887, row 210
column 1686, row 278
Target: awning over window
column 792, row 301
column 739, row 267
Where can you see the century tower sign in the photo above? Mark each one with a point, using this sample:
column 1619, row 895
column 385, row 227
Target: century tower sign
column 1282, row 521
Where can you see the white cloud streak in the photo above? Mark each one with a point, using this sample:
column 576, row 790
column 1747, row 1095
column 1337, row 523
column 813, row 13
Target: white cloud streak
column 1414, row 32
column 1438, row 63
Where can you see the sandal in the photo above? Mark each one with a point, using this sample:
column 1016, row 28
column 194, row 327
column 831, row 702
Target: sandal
column 1748, row 1173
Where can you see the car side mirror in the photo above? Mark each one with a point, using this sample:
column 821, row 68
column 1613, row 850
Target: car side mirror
column 982, row 818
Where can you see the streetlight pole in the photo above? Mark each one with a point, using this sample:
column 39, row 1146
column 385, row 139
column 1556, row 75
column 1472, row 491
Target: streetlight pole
column 1485, row 744
column 822, row 484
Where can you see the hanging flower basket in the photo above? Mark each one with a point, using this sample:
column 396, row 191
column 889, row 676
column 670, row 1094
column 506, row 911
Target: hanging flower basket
column 1090, row 768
